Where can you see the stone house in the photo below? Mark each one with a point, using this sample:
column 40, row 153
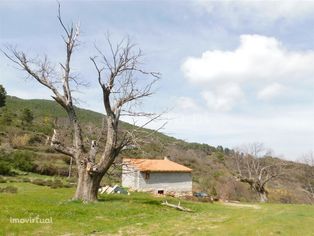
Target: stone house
column 157, row 176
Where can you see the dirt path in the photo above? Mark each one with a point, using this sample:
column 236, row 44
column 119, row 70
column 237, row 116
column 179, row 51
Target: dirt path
column 242, row 205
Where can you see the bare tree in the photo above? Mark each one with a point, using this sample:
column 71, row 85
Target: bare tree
column 123, row 84
column 252, row 168
column 308, row 183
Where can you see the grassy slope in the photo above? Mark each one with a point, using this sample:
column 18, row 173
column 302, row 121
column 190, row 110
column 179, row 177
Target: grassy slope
column 142, row 214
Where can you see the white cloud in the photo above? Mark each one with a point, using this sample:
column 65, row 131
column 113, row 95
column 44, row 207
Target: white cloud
column 258, row 12
column 186, row 104
column 258, row 62
column 270, row 91
column 257, row 57
column 224, row 98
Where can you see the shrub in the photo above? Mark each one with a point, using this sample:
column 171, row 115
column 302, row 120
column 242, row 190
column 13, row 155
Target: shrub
column 52, row 184
column 13, row 180
column 2, row 180
column 72, row 180
column 8, row 189
column 5, row 168
column 57, row 184
column 58, row 181
column 220, row 156
column 6, row 117
column 35, row 139
column 67, row 160
column 46, row 169
column 26, row 180
column 3, row 94
column 67, row 185
column 27, row 116
column 22, row 160
column 49, row 182
column 51, row 170
column 213, row 191
column 40, row 182
column 217, row 174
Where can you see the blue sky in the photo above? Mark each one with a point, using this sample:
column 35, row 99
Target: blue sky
column 233, row 72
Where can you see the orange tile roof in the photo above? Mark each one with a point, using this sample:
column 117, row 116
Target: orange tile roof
column 150, row 165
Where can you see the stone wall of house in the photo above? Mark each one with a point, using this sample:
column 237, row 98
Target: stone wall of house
column 130, row 177
column 176, row 183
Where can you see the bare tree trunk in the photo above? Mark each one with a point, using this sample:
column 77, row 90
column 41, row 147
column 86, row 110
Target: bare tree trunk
column 258, row 188
column 263, row 196
column 87, row 186
column 256, row 171
column 70, row 167
column 90, row 174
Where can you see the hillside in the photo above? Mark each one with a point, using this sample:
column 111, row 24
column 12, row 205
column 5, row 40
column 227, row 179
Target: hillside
column 211, row 169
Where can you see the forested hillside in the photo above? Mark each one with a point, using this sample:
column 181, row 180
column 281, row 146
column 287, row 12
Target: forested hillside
column 27, row 125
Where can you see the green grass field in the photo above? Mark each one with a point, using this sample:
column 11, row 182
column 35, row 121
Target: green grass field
column 142, row 214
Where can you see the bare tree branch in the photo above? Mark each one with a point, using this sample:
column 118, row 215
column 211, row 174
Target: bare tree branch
column 308, row 179
column 252, row 168
column 123, row 83
column 118, row 74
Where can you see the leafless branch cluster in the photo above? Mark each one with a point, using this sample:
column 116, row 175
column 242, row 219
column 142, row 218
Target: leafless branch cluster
column 44, row 73
column 123, row 83
column 308, row 184
column 119, row 74
column 252, row 169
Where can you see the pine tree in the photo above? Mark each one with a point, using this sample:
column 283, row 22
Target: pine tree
column 3, row 94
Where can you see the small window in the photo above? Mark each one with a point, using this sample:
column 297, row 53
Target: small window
column 160, row 192
column 147, row 175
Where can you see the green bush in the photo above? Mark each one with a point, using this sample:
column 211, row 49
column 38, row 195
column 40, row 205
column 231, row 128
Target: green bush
column 67, row 185
column 67, row 160
column 26, row 180
column 8, row 189
column 40, row 182
column 52, row 184
column 35, row 139
column 57, row 184
column 46, row 169
column 27, row 116
column 5, row 168
column 6, row 117
column 220, row 156
column 22, row 160
column 2, row 180
column 49, row 182
column 72, row 180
